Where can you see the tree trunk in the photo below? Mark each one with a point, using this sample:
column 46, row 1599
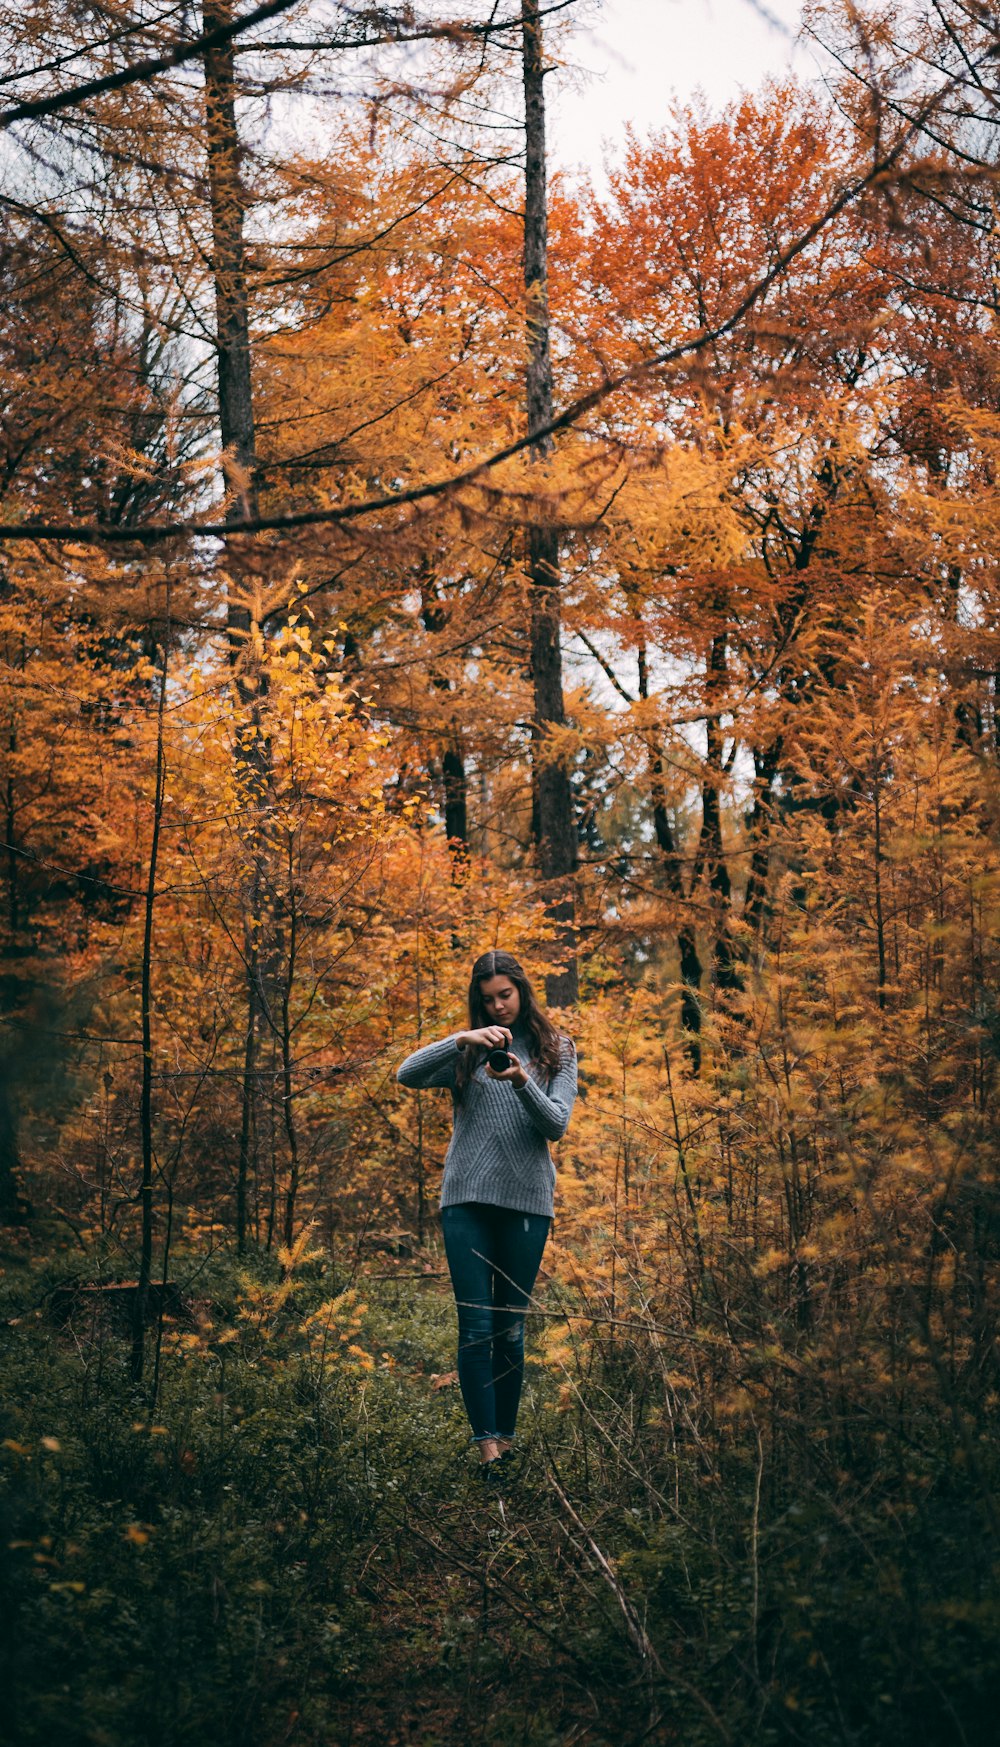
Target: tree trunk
column 236, row 420
column 687, row 945
column 229, row 273
column 724, row 956
column 287, row 1082
column 456, row 803
column 454, row 780
column 759, row 826
column 146, row 1096
column 247, row 1084
column 13, row 909
column 10, row 1156
column 554, row 825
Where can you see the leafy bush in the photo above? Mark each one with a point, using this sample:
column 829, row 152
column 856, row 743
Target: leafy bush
column 297, row 1546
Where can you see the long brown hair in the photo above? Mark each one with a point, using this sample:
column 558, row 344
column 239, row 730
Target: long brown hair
column 545, row 1041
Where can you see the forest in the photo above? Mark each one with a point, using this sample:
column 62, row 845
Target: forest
column 409, row 550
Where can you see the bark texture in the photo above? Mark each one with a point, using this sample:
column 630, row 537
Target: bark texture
column 236, row 420
column 228, row 203
column 554, row 823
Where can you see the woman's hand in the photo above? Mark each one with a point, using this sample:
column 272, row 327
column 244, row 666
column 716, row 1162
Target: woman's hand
column 516, row 1074
column 489, row 1037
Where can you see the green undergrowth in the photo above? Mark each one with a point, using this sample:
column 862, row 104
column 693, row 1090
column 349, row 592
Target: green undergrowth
column 294, row 1546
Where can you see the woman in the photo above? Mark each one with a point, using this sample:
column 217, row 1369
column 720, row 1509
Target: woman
column 496, row 1196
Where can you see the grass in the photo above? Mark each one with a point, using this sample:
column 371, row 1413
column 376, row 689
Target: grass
column 296, row 1547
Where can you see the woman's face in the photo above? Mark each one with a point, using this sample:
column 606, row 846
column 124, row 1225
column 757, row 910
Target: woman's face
column 500, row 1000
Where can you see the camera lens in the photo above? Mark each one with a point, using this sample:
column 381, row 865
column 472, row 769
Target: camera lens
column 499, row 1060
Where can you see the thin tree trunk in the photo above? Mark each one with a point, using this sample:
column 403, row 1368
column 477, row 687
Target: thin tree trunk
column 10, row 1156
column 759, row 826
column 246, row 1097
column 421, row 1170
column 968, row 716
column 879, row 910
column 154, row 1386
column 287, row 1085
column 228, row 203
column 146, row 1096
column 687, row 946
column 236, row 420
column 454, row 780
column 456, row 804
column 725, row 959
column 554, row 826
column 13, row 910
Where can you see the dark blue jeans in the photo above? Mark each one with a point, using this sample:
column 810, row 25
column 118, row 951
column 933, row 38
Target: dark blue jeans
column 493, row 1258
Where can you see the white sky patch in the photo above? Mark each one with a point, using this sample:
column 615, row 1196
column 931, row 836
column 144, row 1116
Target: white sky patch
column 635, row 57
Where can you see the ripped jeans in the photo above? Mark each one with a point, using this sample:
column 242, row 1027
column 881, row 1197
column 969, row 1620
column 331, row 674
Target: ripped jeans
column 493, row 1258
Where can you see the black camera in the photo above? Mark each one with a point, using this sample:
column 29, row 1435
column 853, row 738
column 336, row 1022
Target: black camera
column 499, row 1060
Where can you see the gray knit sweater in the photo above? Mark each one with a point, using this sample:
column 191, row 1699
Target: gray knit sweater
column 499, row 1149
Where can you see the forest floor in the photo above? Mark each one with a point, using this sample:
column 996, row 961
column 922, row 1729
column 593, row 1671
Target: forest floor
column 296, row 1546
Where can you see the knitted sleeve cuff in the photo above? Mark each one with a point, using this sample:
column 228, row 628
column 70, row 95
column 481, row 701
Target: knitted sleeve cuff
column 550, row 1111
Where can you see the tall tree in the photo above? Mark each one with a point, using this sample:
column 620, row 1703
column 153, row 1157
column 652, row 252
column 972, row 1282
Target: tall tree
column 236, row 422
column 554, row 825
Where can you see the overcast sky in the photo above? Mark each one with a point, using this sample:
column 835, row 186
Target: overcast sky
column 642, row 52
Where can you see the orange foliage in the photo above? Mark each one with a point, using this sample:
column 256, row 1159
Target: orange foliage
column 780, row 607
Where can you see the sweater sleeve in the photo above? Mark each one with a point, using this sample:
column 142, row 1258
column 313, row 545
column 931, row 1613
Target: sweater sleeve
column 434, row 1065
column 550, row 1111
